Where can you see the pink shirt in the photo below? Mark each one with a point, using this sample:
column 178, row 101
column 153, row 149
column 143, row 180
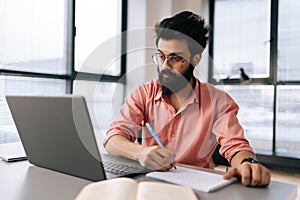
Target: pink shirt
column 206, row 118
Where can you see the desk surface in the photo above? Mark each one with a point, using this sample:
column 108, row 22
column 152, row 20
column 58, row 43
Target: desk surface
column 23, row 181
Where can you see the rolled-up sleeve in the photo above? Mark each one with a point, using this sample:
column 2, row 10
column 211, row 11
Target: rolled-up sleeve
column 229, row 132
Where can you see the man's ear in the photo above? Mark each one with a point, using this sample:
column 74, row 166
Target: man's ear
column 196, row 59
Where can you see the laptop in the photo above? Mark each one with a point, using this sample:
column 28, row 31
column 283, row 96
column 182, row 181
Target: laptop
column 57, row 133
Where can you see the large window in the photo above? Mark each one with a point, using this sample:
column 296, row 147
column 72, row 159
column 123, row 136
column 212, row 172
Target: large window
column 288, row 40
column 288, row 76
column 32, row 53
column 241, row 38
column 40, row 54
column 32, row 36
column 98, row 27
column 97, row 58
column 255, row 114
column 262, row 37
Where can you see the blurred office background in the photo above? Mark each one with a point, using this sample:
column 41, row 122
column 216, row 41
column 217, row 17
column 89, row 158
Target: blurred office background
column 44, row 46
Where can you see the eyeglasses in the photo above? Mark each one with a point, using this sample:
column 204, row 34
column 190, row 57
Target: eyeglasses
column 174, row 61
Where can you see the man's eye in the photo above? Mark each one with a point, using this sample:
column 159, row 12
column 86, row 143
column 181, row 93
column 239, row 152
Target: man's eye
column 161, row 56
column 176, row 58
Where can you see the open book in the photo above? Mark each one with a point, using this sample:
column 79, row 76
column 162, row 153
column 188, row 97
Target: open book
column 129, row 189
column 196, row 179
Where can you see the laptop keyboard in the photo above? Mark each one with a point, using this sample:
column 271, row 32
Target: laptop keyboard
column 121, row 169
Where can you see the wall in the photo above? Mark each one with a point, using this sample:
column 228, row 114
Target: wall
column 142, row 16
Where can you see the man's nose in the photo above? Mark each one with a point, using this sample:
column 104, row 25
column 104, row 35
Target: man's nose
column 166, row 64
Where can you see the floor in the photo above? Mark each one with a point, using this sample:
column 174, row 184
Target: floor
column 288, row 177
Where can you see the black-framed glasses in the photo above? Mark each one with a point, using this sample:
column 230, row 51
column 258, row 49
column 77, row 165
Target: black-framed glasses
column 174, row 61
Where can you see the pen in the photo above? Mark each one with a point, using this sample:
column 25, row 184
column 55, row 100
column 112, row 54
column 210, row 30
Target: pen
column 152, row 132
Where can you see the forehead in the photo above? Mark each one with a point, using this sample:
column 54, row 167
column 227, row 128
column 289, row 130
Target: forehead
column 178, row 46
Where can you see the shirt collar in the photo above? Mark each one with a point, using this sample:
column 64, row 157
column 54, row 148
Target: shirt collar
column 158, row 95
column 194, row 98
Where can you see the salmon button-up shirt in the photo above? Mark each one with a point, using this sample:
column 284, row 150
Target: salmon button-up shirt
column 206, row 118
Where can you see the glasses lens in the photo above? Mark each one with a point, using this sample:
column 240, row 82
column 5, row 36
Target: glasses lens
column 158, row 58
column 173, row 60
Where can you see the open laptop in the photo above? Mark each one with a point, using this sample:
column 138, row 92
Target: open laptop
column 57, row 134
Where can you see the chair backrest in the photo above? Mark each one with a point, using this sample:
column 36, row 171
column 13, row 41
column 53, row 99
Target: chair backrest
column 218, row 158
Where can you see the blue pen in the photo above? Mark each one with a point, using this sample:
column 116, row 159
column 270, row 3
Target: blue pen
column 152, row 132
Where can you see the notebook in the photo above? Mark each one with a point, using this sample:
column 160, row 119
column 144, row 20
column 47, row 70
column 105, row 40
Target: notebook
column 204, row 181
column 57, row 134
column 11, row 152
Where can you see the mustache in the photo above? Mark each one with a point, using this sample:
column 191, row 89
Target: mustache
column 167, row 72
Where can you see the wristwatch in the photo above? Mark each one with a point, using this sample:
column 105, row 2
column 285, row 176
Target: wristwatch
column 250, row 160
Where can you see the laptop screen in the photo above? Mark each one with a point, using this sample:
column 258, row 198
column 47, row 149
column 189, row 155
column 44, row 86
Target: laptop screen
column 57, row 134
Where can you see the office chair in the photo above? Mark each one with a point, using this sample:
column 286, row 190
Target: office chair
column 219, row 159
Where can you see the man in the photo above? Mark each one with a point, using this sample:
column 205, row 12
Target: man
column 189, row 117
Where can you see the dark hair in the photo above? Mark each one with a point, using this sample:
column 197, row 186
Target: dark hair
column 185, row 25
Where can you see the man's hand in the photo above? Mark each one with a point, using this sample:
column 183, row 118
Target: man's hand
column 250, row 174
column 153, row 157
column 156, row 158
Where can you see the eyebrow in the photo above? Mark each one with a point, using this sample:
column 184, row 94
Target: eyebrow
column 173, row 53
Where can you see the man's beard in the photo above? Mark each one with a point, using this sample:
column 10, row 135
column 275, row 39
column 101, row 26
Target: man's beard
column 174, row 82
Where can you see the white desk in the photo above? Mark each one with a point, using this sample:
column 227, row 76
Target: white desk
column 23, row 181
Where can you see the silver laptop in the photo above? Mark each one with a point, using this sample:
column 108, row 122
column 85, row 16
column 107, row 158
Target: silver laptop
column 57, row 134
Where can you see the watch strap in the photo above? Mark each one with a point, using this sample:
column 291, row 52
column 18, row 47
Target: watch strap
column 250, row 160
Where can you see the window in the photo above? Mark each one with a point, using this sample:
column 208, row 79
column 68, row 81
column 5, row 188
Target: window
column 32, row 53
column 288, row 40
column 255, row 113
column 32, row 36
column 98, row 29
column 288, row 118
column 269, row 103
column 241, row 38
column 98, row 60
column 36, row 54
column 288, row 73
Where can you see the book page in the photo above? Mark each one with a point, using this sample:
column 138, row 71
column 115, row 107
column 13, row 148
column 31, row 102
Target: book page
column 196, row 179
column 114, row 189
column 162, row 191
